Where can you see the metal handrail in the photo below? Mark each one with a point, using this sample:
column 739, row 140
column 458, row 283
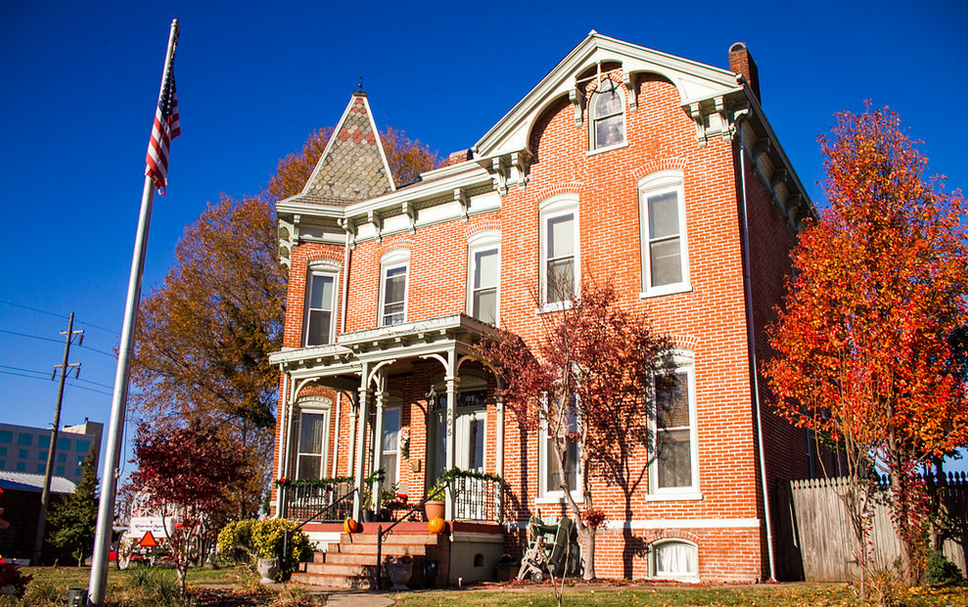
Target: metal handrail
column 285, row 536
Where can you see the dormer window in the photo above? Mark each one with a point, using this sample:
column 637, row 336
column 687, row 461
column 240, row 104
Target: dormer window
column 607, row 120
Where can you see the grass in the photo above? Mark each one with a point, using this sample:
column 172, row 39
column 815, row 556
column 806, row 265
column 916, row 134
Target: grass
column 786, row 595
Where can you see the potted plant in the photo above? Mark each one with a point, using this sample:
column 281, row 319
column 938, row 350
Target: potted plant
column 506, row 568
column 434, row 507
column 399, row 570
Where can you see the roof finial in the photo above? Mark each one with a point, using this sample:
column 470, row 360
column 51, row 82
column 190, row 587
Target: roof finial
column 361, row 84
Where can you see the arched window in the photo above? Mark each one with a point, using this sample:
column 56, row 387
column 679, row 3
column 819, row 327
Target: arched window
column 675, row 559
column 607, row 120
column 394, row 268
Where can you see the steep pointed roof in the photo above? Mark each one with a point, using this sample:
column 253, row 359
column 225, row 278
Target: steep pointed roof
column 353, row 166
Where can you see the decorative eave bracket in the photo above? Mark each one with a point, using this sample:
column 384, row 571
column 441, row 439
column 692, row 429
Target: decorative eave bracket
column 510, row 170
column 713, row 118
column 349, row 226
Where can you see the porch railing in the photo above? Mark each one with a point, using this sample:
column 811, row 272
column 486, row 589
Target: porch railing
column 478, row 499
column 302, row 502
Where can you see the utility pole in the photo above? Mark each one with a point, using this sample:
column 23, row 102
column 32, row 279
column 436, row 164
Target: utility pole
column 65, row 369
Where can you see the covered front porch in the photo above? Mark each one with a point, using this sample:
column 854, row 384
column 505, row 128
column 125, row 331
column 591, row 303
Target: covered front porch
column 373, row 421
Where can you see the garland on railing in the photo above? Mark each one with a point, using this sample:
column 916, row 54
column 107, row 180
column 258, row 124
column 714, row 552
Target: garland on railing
column 452, row 474
column 328, row 482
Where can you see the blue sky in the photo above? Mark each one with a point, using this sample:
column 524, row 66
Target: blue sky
column 80, row 82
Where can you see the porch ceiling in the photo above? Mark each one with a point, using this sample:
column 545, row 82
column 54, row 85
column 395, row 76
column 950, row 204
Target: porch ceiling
column 457, row 333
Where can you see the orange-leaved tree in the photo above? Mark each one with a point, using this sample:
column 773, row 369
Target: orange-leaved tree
column 865, row 344
column 590, row 381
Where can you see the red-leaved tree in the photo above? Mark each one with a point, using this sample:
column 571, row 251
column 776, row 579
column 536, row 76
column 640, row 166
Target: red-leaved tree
column 184, row 473
column 590, row 380
column 865, row 342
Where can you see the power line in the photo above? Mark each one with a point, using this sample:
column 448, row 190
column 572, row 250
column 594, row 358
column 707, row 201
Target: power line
column 56, row 315
column 44, row 376
column 70, row 384
column 56, row 341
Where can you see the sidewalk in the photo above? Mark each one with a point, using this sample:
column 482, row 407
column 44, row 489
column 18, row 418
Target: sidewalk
column 350, row 598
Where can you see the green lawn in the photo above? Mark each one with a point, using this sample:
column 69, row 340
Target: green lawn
column 798, row 595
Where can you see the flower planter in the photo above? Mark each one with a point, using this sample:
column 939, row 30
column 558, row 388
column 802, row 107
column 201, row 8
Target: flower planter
column 268, row 569
column 399, row 574
column 434, row 509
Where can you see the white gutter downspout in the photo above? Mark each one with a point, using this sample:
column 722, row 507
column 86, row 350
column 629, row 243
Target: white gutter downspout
column 751, row 335
column 347, row 255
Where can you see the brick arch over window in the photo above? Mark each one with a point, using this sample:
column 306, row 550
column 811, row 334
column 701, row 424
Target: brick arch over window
column 662, row 535
column 404, row 241
column 564, row 187
column 685, row 342
column 658, row 164
column 483, row 225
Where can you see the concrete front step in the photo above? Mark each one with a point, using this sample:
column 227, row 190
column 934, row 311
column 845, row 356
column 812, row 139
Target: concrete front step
column 388, row 549
column 334, row 581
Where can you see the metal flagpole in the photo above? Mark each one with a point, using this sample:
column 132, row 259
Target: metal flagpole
column 105, row 513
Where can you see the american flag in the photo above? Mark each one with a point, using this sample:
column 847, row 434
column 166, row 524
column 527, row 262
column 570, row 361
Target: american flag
column 165, row 129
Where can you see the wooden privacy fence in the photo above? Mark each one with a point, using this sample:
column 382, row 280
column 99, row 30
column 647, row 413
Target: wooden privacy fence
column 824, row 537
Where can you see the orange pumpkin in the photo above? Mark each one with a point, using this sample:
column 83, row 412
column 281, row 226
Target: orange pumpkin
column 435, row 525
column 350, row 526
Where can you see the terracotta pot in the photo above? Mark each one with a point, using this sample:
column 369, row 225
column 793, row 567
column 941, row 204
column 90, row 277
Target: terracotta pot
column 434, row 509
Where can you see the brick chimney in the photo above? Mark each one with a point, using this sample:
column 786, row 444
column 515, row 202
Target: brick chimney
column 741, row 62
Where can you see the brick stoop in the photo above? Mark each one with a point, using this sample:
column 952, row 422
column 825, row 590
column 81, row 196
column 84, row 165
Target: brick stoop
column 351, row 563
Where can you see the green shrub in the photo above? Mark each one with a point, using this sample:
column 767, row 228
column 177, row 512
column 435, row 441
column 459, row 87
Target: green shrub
column 246, row 541
column 941, row 571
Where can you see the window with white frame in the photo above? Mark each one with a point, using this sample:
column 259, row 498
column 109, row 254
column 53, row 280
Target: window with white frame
column 607, row 115
column 390, row 457
column 394, row 268
column 665, row 259
column 320, row 304
column 559, row 250
column 551, row 476
column 675, row 469
column 483, row 276
column 675, row 559
column 312, row 432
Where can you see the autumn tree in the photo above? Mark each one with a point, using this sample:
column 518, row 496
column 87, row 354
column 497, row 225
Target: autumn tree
column 867, row 341
column 74, row 520
column 185, row 473
column 204, row 336
column 591, row 381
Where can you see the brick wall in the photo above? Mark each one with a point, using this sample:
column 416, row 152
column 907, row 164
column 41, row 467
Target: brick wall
column 709, row 320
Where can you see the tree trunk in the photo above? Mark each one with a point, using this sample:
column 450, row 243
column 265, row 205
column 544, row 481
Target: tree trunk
column 902, row 515
column 588, row 552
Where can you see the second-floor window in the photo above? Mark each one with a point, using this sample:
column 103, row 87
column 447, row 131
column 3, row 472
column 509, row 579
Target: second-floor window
column 484, row 270
column 319, row 308
column 559, row 250
column 393, row 288
column 665, row 260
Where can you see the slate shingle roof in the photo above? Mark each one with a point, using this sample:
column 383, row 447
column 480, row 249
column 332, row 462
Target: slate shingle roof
column 352, row 167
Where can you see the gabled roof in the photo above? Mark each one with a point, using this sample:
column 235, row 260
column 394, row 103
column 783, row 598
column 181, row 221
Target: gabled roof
column 694, row 81
column 353, row 166
column 23, row 481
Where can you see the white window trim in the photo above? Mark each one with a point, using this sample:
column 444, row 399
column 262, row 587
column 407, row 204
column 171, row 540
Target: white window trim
column 392, row 260
column 483, row 241
column 313, row 405
column 555, row 496
column 684, row 364
column 557, row 206
column 657, row 183
column 653, row 573
column 592, row 150
column 321, row 267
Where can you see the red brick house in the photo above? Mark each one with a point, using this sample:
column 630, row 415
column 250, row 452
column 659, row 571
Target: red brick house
column 658, row 173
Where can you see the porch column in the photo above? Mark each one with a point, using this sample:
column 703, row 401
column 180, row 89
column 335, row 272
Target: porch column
column 499, row 449
column 381, row 386
column 360, row 459
column 452, row 381
column 351, row 451
column 285, row 433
